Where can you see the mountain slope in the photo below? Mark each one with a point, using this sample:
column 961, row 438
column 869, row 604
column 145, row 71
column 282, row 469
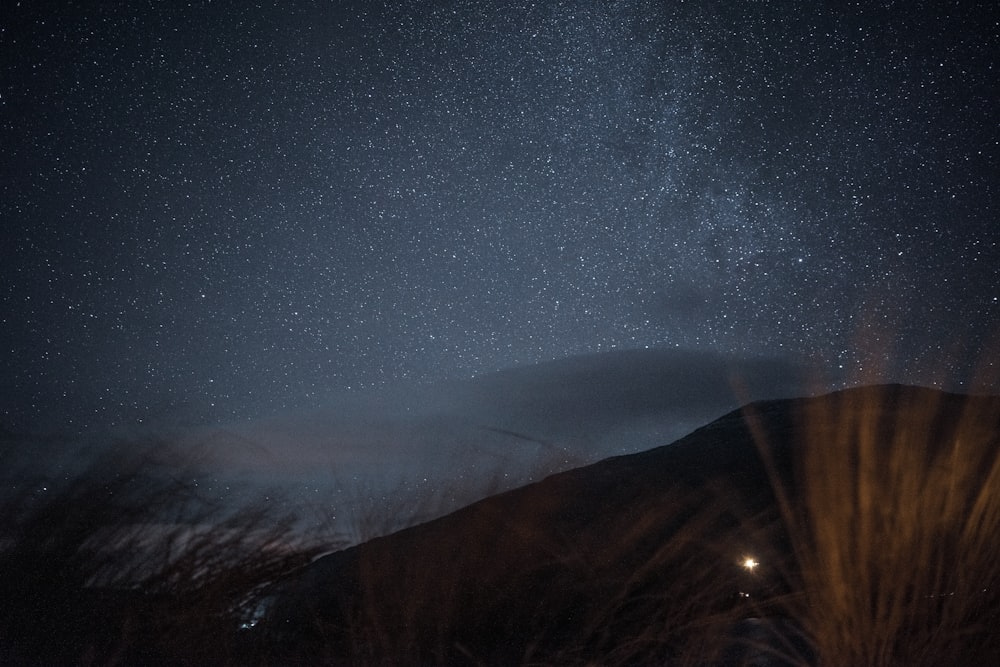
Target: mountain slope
column 664, row 555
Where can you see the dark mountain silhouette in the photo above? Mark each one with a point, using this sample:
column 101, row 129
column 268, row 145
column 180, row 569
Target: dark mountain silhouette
column 739, row 544
column 855, row 528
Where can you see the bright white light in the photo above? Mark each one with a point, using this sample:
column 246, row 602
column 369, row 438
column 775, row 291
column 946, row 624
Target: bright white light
column 749, row 563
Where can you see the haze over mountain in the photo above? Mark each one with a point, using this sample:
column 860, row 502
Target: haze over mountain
column 451, row 442
column 582, row 407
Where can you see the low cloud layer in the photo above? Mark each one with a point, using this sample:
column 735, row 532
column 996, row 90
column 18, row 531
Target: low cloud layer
column 574, row 410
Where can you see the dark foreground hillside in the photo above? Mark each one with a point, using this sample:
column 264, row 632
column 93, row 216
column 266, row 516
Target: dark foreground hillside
column 856, row 528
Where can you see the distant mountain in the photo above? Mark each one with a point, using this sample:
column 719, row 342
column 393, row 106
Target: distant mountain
column 822, row 529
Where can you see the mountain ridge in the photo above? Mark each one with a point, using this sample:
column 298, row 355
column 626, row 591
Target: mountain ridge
column 525, row 563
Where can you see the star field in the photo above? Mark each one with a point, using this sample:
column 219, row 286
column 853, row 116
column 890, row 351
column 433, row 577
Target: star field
column 213, row 210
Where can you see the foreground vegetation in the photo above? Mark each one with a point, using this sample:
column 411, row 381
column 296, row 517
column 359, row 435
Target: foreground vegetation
column 127, row 563
column 861, row 530
column 894, row 528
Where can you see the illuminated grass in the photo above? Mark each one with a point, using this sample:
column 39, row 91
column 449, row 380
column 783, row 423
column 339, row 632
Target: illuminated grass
column 893, row 520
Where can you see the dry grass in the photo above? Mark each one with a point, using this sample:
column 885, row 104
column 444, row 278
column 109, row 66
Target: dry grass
column 894, row 520
column 127, row 564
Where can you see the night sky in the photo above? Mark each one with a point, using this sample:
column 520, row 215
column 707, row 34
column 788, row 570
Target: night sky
column 214, row 211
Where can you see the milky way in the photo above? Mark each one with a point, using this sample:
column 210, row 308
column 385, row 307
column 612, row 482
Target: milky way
column 216, row 211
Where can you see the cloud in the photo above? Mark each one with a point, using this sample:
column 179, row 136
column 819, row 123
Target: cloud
column 418, row 451
column 582, row 408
